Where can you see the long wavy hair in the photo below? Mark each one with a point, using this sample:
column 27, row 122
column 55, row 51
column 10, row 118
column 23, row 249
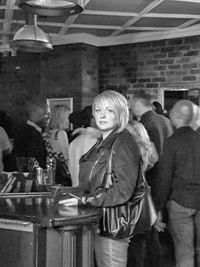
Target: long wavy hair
column 58, row 118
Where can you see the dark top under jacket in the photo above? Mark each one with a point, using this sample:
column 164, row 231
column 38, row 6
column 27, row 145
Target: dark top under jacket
column 178, row 176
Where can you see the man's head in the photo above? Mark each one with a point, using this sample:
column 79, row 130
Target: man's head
column 182, row 113
column 140, row 103
column 36, row 112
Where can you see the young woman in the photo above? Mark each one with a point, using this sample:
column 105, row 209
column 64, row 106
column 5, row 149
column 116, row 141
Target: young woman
column 110, row 110
column 56, row 140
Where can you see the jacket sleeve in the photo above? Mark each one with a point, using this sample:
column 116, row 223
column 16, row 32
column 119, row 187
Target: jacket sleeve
column 125, row 166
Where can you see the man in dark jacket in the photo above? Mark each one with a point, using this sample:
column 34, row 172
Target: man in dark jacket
column 29, row 141
column 179, row 185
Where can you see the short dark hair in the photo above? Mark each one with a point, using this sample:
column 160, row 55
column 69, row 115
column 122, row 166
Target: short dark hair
column 81, row 118
column 144, row 96
column 158, row 107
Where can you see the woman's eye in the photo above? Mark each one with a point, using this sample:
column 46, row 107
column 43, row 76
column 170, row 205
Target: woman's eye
column 110, row 110
column 97, row 110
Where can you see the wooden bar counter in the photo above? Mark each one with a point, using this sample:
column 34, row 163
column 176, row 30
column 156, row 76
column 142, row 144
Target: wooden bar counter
column 36, row 232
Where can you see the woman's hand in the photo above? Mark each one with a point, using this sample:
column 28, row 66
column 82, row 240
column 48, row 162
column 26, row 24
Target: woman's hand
column 159, row 224
column 69, row 202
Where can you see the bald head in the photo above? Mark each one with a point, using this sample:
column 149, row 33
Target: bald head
column 182, row 113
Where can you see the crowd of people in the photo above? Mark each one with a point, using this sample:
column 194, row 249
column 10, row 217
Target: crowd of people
column 134, row 132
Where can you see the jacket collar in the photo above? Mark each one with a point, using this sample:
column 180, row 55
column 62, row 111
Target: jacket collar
column 31, row 123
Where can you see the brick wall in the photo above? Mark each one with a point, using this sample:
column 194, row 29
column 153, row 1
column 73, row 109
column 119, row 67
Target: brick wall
column 70, row 71
column 160, row 64
column 19, row 79
column 67, row 71
column 81, row 70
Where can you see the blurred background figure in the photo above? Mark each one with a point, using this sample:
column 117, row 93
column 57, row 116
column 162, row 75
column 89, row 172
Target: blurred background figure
column 158, row 108
column 159, row 129
column 178, row 185
column 136, row 255
column 5, row 146
column 87, row 137
column 147, row 147
column 28, row 141
column 57, row 144
column 195, row 124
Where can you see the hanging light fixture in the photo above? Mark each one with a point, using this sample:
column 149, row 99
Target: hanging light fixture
column 52, row 7
column 30, row 38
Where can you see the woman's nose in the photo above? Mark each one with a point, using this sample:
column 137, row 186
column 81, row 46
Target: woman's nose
column 102, row 114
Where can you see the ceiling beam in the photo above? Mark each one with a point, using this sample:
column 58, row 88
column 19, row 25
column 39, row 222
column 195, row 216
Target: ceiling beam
column 189, row 1
column 70, row 20
column 133, row 14
column 9, row 10
column 188, row 23
column 146, row 10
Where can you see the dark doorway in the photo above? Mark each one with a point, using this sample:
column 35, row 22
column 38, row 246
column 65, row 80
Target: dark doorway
column 172, row 96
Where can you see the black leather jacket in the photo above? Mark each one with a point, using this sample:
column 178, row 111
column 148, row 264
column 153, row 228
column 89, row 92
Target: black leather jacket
column 125, row 169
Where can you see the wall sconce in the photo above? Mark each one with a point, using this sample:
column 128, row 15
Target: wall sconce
column 52, row 7
column 30, row 38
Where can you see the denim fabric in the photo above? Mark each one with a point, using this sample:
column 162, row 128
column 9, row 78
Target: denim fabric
column 184, row 225
column 110, row 252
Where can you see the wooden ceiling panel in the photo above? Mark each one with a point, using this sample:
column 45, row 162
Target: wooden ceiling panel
column 102, row 20
column 119, row 5
column 96, row 32
column 178, row 7
column 159, row 22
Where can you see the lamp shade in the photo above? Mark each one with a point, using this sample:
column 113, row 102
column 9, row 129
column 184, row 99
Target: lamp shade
column 30, row 38
column 52, row 7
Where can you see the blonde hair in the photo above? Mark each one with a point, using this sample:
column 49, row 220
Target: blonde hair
column 58, row 118
column 119, row 105
column 138, row 130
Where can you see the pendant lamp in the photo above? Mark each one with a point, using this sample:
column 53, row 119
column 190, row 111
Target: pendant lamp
column 52, row 7
column 30, row 38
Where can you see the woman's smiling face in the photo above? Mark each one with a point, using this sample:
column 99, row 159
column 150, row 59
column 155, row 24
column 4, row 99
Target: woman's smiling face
column 105, row 117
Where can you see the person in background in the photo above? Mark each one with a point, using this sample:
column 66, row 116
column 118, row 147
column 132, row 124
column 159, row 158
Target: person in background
column 28, row 142
column 111, row 114
column 178, row 186
column 195, row 123
column 56, row 138
column 159, row 129
column 87, row 137
column 158, row 108
column 147, row 147
column 5, row 146
column 136, row 255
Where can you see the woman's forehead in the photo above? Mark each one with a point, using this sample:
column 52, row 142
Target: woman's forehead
column 103, row 103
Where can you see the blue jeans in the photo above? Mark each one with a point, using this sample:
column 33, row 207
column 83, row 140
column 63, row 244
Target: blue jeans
column 184, row 225
column 110, row 252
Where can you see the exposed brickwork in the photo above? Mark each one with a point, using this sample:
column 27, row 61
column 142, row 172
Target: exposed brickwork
column 81, row 70
column 161, row 64
column 67, row 71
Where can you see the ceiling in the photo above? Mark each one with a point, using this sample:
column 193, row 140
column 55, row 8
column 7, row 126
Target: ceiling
column 109, row 22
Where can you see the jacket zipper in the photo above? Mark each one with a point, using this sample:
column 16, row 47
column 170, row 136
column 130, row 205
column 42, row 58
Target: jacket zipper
column 95, row 164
